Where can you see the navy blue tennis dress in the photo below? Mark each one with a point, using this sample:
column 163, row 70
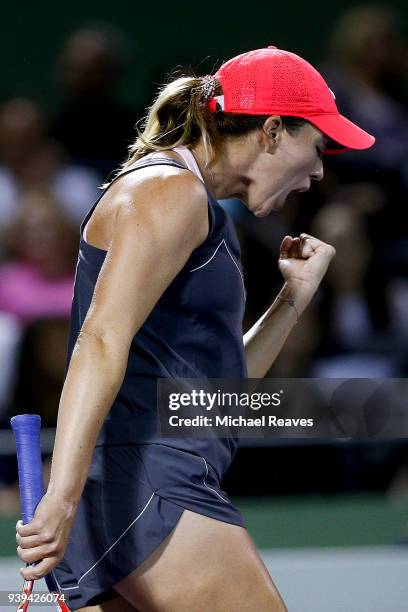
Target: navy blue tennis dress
column 139, row 484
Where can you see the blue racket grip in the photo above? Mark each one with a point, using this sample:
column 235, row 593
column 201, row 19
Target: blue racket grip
column 26, row 429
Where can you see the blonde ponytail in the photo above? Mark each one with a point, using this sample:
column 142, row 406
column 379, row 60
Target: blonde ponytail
column 177, row 117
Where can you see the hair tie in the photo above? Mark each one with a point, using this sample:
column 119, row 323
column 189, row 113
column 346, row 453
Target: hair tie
column 208, row 88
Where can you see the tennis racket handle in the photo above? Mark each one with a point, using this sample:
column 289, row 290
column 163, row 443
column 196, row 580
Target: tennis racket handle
column 26, row 429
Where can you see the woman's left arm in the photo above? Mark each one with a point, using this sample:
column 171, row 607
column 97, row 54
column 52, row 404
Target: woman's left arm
column 303, row 263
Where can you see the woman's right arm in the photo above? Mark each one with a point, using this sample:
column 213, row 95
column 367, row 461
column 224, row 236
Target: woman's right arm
column 150, row 245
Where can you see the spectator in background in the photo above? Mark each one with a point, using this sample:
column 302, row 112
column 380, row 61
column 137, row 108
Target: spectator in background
column 40, row 368
column 93, row 125
column 353, row 347
column 339, row 337
column 29, row 160
column 37, row 278
column 39, row 365
column 35, row 283
column 367, row 68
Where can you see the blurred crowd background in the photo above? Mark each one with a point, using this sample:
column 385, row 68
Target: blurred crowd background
column 64, row 129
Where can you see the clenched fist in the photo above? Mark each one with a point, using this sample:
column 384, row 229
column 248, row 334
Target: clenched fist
column 303, row 262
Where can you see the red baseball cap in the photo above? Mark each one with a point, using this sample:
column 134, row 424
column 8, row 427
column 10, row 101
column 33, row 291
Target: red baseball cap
column 275, row 82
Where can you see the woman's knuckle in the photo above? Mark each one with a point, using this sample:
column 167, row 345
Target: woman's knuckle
column 54, row 548
column 37, row 574
column 23, row 554
column 47, row 537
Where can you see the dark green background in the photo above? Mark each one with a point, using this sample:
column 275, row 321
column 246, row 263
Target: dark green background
column 165, row 33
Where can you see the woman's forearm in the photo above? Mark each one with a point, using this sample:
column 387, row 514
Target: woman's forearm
column 264, row 341
column 94, row 377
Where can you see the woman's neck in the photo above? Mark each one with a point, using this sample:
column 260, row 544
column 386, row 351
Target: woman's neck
column 224, row 176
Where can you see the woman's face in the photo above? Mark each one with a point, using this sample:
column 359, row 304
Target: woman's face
column 285, row 162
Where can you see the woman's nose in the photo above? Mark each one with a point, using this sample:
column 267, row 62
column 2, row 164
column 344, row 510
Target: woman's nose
column 318, row 172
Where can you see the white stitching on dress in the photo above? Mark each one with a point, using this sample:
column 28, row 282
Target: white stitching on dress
column 206, row 485
column 116, row 541
column 68, row 588
column 59, row 586
column 240, row 273
column 208, row 260
column 233, row 259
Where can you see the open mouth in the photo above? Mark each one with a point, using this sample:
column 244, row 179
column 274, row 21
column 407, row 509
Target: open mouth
column 302, row 189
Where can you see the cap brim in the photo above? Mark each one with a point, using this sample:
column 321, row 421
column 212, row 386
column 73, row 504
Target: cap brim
column 343, row 132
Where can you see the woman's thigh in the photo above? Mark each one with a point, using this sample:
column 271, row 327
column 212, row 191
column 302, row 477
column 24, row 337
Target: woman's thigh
column 204, row 565
column 119, row 604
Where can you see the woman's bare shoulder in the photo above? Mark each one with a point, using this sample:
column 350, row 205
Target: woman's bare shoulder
column 156, row 194
column 161, row 183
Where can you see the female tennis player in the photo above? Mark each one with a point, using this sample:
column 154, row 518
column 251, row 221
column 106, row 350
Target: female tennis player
column 132, row 521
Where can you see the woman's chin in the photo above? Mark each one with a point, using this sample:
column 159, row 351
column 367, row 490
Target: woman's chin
column 279, row 202
column 271, row 205
column 262, row 212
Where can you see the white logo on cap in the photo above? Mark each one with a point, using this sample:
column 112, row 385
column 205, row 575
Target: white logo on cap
column 220, row 100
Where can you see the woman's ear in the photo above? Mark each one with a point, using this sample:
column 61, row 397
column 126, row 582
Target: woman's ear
column 271, row 133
